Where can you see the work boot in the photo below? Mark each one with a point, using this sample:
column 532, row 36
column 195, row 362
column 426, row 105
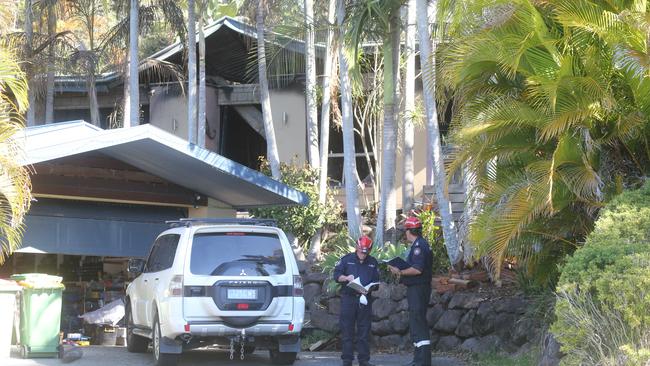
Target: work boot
column 365, row 363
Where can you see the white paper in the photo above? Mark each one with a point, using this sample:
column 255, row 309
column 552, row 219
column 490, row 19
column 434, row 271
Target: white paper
column 358, row 287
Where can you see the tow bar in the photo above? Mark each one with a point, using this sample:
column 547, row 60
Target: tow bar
column 242, row 340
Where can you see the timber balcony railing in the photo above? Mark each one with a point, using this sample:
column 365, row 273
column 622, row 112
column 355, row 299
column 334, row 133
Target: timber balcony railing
column 238, row 94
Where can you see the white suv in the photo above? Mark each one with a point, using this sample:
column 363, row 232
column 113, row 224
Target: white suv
column 226, row 282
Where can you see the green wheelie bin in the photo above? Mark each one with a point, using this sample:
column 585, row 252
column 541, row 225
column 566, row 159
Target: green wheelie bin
column 40, row 314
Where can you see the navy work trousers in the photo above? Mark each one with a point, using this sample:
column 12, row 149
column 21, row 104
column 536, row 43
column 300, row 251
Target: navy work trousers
column 418, row 300
column 355, row 328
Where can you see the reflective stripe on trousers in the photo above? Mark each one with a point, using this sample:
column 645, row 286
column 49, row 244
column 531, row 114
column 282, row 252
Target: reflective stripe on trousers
column 421, row 343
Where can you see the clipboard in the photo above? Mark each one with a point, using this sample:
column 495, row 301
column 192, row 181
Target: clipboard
column 398, row 263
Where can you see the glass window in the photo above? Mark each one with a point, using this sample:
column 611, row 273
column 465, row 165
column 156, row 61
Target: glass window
column 150, row 266
column 237, row 254
column 163, row 253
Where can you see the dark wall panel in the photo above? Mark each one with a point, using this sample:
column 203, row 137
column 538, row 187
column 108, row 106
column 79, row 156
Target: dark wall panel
column 93, row 228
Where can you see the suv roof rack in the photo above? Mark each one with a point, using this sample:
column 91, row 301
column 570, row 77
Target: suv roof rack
column 187, row 222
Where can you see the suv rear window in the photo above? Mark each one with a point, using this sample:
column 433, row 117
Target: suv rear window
column 237, row 254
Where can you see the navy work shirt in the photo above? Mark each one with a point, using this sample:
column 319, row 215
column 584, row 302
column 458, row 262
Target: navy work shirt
column 420, row 258
column 350, row 264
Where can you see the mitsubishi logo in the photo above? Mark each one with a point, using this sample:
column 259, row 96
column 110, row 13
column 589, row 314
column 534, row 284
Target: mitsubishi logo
column 243, row 273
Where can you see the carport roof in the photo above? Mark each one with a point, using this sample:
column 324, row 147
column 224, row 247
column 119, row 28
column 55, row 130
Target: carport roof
column 160, row 153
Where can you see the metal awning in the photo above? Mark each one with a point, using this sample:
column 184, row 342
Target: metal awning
column 160, row 153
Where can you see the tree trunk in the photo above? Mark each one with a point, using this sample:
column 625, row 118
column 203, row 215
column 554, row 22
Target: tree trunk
column 349, row 158
column 29, row 38
column 310, row 86
column 191, row 72
column 325, row 107
column 271, row 145
column 409, row 110
column 126, row 102
column 471, row 209
column 134, row 82
column 202, row 90
column 315, row 245
column 438, row 178
column 386, row 214
column 92, row 97
column 49, row 93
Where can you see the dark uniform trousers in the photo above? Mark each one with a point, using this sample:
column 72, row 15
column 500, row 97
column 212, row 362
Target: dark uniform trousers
column 352, row 312
column 418, row 299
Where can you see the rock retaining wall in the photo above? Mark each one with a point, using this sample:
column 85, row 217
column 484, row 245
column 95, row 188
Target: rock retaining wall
column 468, row 321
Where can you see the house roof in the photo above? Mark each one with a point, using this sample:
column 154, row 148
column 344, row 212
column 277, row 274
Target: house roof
column 244, row 29
column 227, row 54
column 160, row 153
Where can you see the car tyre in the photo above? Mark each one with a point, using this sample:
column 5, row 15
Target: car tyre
column 161, row 359
column 134, row 342
column 282, row 358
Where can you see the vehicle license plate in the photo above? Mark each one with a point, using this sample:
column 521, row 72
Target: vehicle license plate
column 242, row 294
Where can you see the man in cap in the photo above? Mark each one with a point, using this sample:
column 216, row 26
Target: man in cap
column 356, row 310
column 417, row 279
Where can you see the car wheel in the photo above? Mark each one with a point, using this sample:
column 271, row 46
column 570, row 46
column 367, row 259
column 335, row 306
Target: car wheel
column 249, row 349
column 134, row 342
column 282, row 358
column 161, row 359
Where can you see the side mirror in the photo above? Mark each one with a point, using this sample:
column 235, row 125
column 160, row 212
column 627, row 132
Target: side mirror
column 136, row 266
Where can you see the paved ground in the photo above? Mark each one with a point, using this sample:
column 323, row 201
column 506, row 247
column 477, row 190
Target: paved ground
column 118, row 356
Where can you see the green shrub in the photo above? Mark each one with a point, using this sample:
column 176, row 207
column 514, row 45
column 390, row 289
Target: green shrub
column 602, row 312
column 302, row 221
column 342, row 245
column 432, row 233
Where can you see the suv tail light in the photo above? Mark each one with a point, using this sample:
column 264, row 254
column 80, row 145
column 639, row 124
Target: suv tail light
column 297, row 286
column 175, row 288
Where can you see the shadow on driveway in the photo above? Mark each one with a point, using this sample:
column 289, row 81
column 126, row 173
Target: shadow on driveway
column 118, row 356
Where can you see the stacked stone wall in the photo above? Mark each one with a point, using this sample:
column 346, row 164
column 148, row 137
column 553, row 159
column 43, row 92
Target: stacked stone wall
column 468, row 321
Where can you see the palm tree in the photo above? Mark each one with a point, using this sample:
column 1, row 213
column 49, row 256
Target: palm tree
column 330, row 56
column 202, row 90
column 310, row 85
column 28, row 53
column 551, row 122
column 269, row 131
column 191, row 72
column 380, row 20
column 15, row 196
column 434, row 148
column 132, row 97
column 51, row 31
column 87, row 12
column 112, row 43
column 409, row 111
column 349, row 158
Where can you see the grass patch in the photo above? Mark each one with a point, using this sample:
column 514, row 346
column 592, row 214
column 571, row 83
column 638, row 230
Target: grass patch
column 312, row 336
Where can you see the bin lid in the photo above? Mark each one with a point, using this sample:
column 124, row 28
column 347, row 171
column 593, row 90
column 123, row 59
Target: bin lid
column 8, row 286
column 38, row 280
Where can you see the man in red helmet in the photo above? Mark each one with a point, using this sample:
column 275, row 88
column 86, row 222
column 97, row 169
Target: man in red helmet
column 355, row 315
column 417, row 279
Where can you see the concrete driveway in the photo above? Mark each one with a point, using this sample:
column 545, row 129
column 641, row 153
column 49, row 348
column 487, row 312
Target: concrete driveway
column 117, row 356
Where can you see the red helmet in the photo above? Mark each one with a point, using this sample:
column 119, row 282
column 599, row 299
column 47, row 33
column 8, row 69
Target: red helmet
column 412, row 223
column 364, row 244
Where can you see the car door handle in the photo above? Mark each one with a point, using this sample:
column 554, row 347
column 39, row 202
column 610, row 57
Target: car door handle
column 156, row 279
column 146, row 280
